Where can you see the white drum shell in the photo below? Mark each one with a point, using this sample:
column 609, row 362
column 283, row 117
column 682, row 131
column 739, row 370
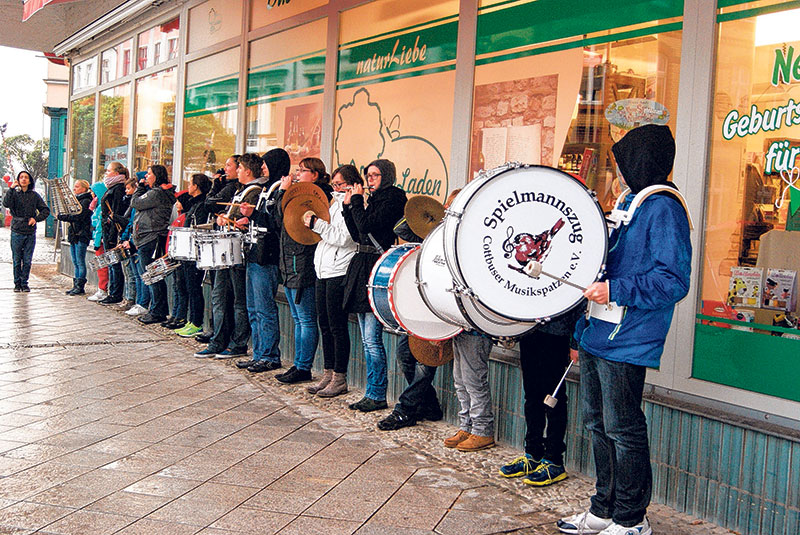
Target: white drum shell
column 436, row 282
column 219, row 250
column 182, row 244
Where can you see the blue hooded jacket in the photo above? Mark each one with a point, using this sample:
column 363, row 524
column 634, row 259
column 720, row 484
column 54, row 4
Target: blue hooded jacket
column 99, row 189
column 649, row 260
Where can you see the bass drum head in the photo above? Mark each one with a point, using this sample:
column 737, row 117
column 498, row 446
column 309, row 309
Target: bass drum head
column 523, row 214
column 436, row 281
column 381, row 280
column 410, row 310
column 489, row 323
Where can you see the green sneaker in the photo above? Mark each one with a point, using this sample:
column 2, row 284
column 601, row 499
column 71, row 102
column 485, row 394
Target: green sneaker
column 189, row 331
column 521, row 466
column 545, row 474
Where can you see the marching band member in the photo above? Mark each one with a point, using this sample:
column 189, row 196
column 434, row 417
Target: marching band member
column 153, row 201
column 98, row 190
column 331, row 259
column 297, row 269
column 142, row 292
column 263, row 274
column 112, row 209
column 648, row 272
column 79, row 232
column 372, row 227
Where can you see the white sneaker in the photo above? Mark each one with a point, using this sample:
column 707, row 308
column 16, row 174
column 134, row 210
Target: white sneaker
column 584, row 524
column 98, row 295
column 136, row 310
column 642, row 528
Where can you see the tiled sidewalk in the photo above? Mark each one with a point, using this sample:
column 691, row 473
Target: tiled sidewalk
column 111, row 427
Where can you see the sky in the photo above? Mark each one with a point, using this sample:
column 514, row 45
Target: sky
column 22, row 92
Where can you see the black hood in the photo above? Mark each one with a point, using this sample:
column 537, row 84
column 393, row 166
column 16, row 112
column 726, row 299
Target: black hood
column 645, row 156
column 32, row 185
column 388, row 172
column 278, row 164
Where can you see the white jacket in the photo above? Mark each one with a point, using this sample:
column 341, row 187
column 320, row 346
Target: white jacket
column 337, row 247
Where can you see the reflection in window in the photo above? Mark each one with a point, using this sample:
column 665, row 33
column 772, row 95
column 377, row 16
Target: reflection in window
column 156, row 39
column 114, row 125
column 84, row 75
column 116, row 62
column 82, row 138
column 155, row 120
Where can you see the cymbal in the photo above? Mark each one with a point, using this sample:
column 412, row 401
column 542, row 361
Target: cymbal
column 312, row 199
column 423, row 214
column 302, row 188
column 431, row 353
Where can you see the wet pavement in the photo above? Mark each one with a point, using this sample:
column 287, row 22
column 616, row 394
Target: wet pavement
column 108, row 426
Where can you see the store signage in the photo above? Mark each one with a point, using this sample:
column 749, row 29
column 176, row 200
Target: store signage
column 277, row 3
column 407, row 55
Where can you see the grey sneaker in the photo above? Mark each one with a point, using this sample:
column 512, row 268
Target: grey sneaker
column 584, row 523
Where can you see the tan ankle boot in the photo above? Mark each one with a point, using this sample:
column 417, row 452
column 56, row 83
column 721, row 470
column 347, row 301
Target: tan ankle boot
column 475, row 443
column 455, row 440
column 327, row 375
column 336, row 387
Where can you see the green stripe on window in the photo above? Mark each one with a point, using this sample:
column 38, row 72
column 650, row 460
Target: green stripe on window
column 302, row 74
column 399, row 52
column 548, row 20
column 747, row 13
column 276, row 98
column 389, row 78
column 212, row 96
column 210, row 111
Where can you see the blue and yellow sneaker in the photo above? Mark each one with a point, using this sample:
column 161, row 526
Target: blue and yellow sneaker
column 545, row 474
column 521, row 466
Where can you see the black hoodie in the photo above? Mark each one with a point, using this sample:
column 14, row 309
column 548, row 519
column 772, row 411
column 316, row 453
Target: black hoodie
column 80, row 225
column 25, row 205
column 645, row 156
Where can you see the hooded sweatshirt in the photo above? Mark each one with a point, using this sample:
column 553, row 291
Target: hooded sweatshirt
column 649, row 260
column 25, row 205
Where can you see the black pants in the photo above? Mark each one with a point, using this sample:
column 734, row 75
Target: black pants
column 193, row 286
column 333, row 323
column 543, row 358
column 148, row 252
column 419, row 399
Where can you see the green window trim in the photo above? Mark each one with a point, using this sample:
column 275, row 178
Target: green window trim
column 223, row 93
column 286, row 77
column 756, row 11
column 282, row 96
column 412, row 74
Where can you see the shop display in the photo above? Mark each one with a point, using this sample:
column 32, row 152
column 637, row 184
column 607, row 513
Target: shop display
column 779, row 289
column 745, row 286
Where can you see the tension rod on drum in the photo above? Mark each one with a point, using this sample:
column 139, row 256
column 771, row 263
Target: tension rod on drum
column 534, row 269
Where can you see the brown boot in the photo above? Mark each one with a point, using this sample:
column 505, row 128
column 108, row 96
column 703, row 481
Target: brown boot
column 327, row 375
column 476, row 443
column 336, row 387
column 456, row 439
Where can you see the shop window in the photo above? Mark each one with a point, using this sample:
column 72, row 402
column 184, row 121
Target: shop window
column 81, row 146
column 210, row 112
column 116, row 62
column 746, row 334
column 213, row 22
column 284, row 91
column 264, row 12
column 113, row 127
column 155, row 120
column 152, row 41
column 84, row 75
column 395, row 87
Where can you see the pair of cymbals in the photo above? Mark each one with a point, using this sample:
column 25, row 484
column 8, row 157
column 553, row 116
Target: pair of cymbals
column 299, row 199
column 431, row 353
column 423, row 214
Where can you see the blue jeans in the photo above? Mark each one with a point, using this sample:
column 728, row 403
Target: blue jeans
column 128, row 268
column 374, row 355
column 262, row 286
column 228, row 299
column 22, row 255
column 419, row 398
column 142, row 291
column 180, row 299
column 148, row 252
column 306, row 334
column 611, row 396
column 78, row 252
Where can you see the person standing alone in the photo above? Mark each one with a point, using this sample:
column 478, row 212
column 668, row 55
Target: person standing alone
column 27, row 208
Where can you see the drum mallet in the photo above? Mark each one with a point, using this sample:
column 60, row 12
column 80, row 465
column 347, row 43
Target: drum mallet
column 533, row 269
column 551, row 401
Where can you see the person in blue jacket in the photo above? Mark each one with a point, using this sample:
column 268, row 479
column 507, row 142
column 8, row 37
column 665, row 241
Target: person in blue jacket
column 648, row 272
column 99, row 189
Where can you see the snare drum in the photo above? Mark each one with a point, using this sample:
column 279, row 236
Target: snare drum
column 452, row 304
column 511, row 216
column 182, row 243
column 219, row 250
column 397, row 303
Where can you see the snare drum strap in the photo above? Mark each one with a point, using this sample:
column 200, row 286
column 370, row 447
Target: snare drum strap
column 375, row 243
column 619, row 217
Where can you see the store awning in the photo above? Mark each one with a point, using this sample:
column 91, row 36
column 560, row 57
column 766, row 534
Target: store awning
column 30, row 7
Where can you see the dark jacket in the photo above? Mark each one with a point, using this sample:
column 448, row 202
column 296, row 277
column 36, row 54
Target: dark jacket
column 378, row 219
column 297, row 259
column 79, row 229
column 196, row 210
column 267, row 250
column 25, row 205
column 113, row 202
column 153, row 210
column 221, row 192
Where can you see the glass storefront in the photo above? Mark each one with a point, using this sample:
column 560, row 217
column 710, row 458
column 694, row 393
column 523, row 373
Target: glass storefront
column 81, row 144
column 84, row 75
column 751, row 244
column 113, row 127
column 158, row 44
column 155, row 120
column 116, row 62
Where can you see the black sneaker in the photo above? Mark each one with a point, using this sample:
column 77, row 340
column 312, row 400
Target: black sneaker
column 149, row 319
column 177, row 324
column 294, row 375
column 26, row 288
column 17, row 288
column 168, row 322
column 368, row 405
column 395, row 421
column 204, row 338
column 287, row 372
column 264, row 366
column 433, row 414
column 244, row 363
column 110, row 301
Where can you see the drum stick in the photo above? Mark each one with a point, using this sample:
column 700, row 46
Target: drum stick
column 534, row 269
column 551, row 401
column 230, row 203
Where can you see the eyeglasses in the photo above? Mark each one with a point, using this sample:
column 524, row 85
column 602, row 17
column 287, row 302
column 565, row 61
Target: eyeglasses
column 303, row 170
column 374, row 175
column 338, row 185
